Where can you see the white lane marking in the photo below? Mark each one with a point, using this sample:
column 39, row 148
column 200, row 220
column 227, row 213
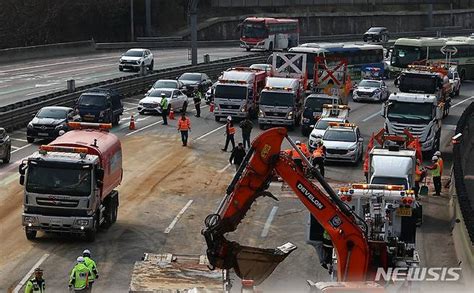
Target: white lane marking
column 30, row 272
column 457, row 104
column 178, row 216
column 133, row 104
column 46, row 84
column 14, row 147
column 54, row 64
column 210, row 132
column 371, row 116
column 74, row 70
column 18, row 139
column 223, row 169
column 45, row 91
column 266, row 228
column 19, row 149
column 143, row 128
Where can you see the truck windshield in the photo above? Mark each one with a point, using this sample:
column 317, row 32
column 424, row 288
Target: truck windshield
column 94, row 101
column 52, row 113
column 390, row 181
column 414, row 112
column 65, row 179
column 277, row 99
column 337, row 135
column 402, row 56
column 316, row 104
column 253, row 30
column 231, row 92
column 410, row 83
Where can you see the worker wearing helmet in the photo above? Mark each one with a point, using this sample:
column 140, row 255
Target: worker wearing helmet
column 318, row 156
column 440, row 161
column 229, row 134
column 419, row 175
column 79, row 278
column 164, row 108
column 90, row 263
column 435, row 174
column 296, row 156
column 37, row 284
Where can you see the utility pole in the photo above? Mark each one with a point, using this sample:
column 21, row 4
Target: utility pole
column 132, row 24
column 148, row 17
column 192, row 10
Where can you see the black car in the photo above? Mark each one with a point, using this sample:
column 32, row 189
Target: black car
column 313, row 108
column 50, row 122
column 192, row 81
column 376, row 34
column 100, row 106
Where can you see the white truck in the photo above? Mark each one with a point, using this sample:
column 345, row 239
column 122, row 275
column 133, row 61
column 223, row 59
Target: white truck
column 237, row 92
column 281, row 102
column 421, row 114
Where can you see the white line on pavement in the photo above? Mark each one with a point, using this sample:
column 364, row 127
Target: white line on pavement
column 178, row 216
column 18, row 139
column 19, row 149
column 143, row 128
column 371, row 116
column 223, row 169
column 457, row 104
column 30, row 272
column 14, row 147
column 210, row 132
column 266, row 228
column 128, row 103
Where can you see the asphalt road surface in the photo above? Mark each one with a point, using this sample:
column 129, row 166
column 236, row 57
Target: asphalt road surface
column 24, row 80
column 161, row 178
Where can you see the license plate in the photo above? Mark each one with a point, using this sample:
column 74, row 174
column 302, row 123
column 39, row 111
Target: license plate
column 42, row 134
column 55, row 222
column 404, row 212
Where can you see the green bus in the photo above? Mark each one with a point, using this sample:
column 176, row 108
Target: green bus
column 429, row 50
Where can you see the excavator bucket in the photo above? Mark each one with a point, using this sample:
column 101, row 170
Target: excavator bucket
column 257, row 264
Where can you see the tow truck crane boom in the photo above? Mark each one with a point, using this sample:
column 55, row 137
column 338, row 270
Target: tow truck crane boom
column 346, row 229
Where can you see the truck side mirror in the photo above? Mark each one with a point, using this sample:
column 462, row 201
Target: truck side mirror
column 22, row 179
column 99, row 173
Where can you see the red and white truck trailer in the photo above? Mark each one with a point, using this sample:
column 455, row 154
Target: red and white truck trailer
column 69, row 185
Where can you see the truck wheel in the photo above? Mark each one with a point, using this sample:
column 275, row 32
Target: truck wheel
column 90, row 234
column 6, row 160
column 115, row 211
column 30, row 234
column 116, row 120
column 151, row 65
column 109, row 213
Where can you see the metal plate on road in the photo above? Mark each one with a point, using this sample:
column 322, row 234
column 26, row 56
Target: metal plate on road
column 404, row 212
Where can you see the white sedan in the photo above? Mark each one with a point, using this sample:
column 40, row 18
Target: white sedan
column 371, row 90
column 177, row 101
column 135, row 58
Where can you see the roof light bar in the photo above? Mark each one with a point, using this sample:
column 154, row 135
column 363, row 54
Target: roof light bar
column 88, row 125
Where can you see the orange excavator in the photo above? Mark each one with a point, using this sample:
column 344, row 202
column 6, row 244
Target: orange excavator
column 358, row 257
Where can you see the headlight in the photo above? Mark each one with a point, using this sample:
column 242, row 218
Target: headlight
column 121, row 60
column 138, row 61
column 290, row 115
column 353, row 148
column 101, row 113
column 30, row 125
column 60, row 126
column 261, row 113
column 82, row 222
column 242, row 109
column 306, row 120
column 140, row 103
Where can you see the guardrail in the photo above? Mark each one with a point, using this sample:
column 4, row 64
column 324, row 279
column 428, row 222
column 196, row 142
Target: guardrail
column 19, row 114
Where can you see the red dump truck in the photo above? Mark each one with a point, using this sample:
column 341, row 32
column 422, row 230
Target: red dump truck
column 70, row 183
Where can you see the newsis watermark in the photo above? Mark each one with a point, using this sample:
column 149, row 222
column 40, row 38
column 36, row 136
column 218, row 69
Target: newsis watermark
column 421, row 274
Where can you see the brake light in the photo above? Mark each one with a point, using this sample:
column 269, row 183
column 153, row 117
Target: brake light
column 50, row 148
column 87, row 125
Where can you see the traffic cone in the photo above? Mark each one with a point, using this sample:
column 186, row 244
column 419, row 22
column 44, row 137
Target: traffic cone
column 132, row 123
column 171, row 115
column 211, row 107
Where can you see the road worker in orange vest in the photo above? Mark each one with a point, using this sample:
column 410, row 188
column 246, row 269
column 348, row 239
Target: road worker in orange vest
column 229, row 134
column 296, row 156
column 318, row 156
column 184, row 126
column 440, row 162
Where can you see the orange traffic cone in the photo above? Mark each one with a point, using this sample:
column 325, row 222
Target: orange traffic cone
column 171, row 115
column 211, row 107
column 132, row 123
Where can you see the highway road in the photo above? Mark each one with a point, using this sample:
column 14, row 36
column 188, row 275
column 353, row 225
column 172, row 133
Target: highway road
column 161, row 178
column 24, row 80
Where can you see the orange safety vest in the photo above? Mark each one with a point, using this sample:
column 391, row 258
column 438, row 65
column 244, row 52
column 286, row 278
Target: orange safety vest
column 304, row 150
column 441, row 164
column 318, row 152
column 184, row 125
column 230, row 129
column 418, row 173
column 295, row 154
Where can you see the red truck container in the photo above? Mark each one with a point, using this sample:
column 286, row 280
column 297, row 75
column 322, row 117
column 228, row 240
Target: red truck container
column 70, row 183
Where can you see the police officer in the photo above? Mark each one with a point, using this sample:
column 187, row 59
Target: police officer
column 37, row 284
column 79, row 278
column 90, row 263
column 164, row 108
column 197, row 100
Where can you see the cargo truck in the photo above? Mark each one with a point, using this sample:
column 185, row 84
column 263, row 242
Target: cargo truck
column 69, row 185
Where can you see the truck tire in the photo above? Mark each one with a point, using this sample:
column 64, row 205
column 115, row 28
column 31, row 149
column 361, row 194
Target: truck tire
column 6, row 160
column 115, row 211
column 90, row 234
column 30, row 234
column 116, row 120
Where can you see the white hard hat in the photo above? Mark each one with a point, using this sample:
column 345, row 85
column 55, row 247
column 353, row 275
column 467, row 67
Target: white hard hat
column 229, row 118
column 86, row 251
column 80, row 259
column 437, row 153
column 434, row 158
column 298, row 142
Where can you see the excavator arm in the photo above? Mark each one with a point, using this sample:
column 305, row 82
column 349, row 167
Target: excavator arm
column 250, row 182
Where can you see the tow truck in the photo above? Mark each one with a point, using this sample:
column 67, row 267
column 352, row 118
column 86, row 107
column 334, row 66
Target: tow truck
column 330, row 114
column 359, row 251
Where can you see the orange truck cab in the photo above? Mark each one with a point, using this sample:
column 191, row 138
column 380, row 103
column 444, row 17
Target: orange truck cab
column 70, row 183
